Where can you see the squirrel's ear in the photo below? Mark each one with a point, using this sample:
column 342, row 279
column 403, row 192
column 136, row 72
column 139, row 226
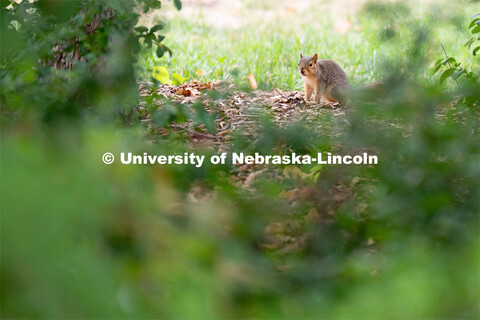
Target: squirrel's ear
column 301, row 55
column 315, row 57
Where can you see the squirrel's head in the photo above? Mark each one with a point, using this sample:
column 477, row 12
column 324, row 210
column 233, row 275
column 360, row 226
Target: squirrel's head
column 307, row 65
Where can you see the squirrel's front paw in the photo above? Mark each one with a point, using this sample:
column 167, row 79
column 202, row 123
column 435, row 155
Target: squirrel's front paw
column 314, row 101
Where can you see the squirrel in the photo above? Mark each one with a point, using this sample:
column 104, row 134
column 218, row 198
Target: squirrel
column 324, row 78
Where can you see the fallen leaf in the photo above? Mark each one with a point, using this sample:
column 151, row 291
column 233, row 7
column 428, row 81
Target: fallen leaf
column 296, row 245
column 313, row 217
column 251, row 177
column 184, row 92
column 271, row 243
column 204, row 86
column 275, row 228
column 285, row 194
column 294, row 172
column 253, row 82
column 354, row 181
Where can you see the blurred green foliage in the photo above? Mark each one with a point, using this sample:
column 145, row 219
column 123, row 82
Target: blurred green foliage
column 86, row 240
column 91, row 46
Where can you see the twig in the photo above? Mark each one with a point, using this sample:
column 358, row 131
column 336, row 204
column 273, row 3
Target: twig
column 203, row 135
column 446, row 56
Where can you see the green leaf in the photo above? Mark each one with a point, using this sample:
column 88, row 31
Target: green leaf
column 475, row 21
column 151, row 37
column 161, row 74
column 156, row 4
column 476, row 50
column 476, row 29
column 157, row 27
column 165, row 48
column 178, row 79
column 316, row 168
column 458, row 73
column 160, row 38
column 160, row 51
column 61, row 10
column 447, row 73
column 437, row 67
column 141, row 29
column 468, row 44
column 178, row 4
column 448, row 60
column 148, row 42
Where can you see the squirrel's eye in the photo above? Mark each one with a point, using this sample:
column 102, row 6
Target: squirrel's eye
column 311, row 65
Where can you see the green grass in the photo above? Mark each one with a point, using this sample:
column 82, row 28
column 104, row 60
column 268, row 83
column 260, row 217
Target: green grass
column 381, row 36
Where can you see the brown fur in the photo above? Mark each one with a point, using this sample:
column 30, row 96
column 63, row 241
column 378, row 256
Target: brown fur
column 323, row 78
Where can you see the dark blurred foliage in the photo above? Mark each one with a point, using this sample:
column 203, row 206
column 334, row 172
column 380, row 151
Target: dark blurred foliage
column 81, row 239
column 72, row 58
